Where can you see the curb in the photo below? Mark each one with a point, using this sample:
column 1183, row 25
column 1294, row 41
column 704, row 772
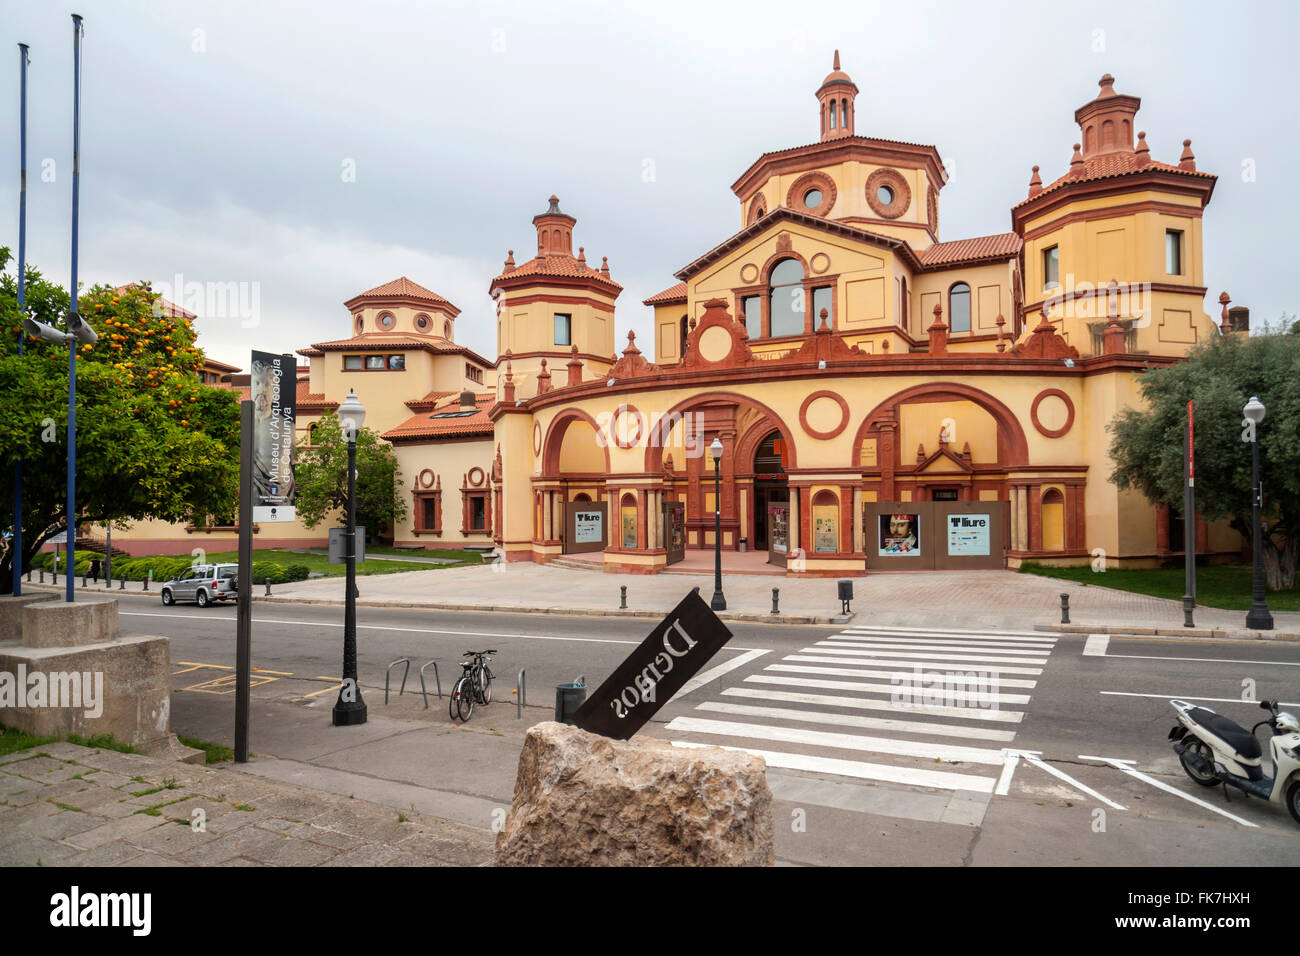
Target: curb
column 1156, row 630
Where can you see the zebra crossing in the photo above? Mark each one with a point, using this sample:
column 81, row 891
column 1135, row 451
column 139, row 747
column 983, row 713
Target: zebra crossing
column 923, row 707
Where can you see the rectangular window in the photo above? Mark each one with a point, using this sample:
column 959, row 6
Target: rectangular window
column 397, row 363
column 429, row 513
column 753, row 306
column 822, row 300
column 477, row 512
column 1173, row 252
column 474, row 373
column 1051, row 268
column 352, row 363
column 374, row 363
column 563, row 329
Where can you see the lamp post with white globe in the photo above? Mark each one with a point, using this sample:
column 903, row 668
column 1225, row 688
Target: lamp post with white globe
column 350, row 709
column 1258, row 617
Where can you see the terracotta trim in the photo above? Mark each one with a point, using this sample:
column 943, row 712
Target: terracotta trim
column 555, row 436
column 1069, row 413
column 807, row 403
column 1016, row 453
column 613, row 426
column 902, row 193
column 815, row 179
column 600, row 305
column 862, row 149
column 1202, row 187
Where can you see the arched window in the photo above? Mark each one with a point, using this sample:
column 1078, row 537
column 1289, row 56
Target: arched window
column 844, row 112
column 682, row 351
column 786, row 298
column 834, row 110
column 959, row 308
column 1053, row 520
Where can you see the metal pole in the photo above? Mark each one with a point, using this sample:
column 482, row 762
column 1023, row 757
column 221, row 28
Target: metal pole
column 108, row 551
column 350, row 712
column 1258, row 617
column 1189, row 525
column 244, row 599
column 22, row 300
column 719, row 602
column 71, row 592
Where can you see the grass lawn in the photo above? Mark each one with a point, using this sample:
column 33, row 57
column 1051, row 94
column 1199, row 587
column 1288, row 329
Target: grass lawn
column 12, row 741
column 1222, row 585
column 216, row 753
column 320, row 562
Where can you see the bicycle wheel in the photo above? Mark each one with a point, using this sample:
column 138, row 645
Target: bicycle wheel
column 485, row 684
column 463, row 694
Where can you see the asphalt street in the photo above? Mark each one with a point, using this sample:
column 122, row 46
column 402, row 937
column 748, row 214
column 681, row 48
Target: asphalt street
column 1061, row 757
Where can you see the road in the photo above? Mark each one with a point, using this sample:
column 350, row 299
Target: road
column 861, row 775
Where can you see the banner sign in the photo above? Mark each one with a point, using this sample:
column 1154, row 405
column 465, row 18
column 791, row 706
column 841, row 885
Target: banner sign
column 274, row 389
column 676, row 649
column 900, row 535
column 589, row 527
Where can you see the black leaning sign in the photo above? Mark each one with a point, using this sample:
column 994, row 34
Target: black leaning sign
column 674, row 652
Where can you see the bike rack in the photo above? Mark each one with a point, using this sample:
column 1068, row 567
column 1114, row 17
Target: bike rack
column 388, row 673
column 436, row 681
column 521, row 694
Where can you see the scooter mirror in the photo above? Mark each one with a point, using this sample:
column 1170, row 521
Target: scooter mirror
column 1266, row 705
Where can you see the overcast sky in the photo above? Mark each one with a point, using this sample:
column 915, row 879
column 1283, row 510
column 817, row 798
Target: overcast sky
column 217, row 136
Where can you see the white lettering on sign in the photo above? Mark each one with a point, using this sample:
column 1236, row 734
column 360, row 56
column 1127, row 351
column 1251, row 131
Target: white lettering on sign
column 642, row 688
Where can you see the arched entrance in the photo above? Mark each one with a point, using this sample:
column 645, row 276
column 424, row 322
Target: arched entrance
column 770, row 485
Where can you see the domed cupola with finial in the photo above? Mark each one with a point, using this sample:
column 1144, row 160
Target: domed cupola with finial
column 554, row 231
column 1107, row 121
column 835, row 101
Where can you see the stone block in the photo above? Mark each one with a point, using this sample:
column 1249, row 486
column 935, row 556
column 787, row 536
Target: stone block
column 60, row 624
column 585, row 800
column 11, row 612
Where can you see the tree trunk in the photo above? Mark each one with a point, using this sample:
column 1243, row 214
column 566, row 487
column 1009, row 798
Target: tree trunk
column 1280, row 562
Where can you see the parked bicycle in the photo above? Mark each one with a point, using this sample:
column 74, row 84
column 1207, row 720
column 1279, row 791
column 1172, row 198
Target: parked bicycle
column 474, row 686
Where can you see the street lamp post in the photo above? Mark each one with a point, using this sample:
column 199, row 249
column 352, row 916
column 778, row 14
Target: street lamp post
column 1258, row 617
column 350, row 709
column 719, row 602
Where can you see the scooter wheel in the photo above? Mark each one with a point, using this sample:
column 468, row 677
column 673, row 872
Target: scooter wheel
column 1200, row 749
column 1293, row 799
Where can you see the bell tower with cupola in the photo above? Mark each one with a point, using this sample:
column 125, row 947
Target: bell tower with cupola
column 555, row 313
column 835, row 102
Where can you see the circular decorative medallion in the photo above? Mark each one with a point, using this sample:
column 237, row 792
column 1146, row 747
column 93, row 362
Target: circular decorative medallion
column 815, row 187
column 621, row 426
column 893, row 186
column 932, row 209
column 386, row 320
column 749, row 273
column 476, row 476
column 422, row 322
column 537, row 438
column 425, row 478
column 1056, row 407
column 819, row 263
column 817, row 414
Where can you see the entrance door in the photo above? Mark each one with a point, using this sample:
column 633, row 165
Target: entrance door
column 674, row 536
column 778, row 528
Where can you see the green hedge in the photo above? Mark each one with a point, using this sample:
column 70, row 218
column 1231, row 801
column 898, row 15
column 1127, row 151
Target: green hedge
column 165, row 568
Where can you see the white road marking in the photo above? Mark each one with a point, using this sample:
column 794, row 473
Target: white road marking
column 820, row 738
column 857, row 668
column 1096, row 645
column 874, row 641
column 845, row 647
column 1033, row 757
column 1008, row 771
column 860, row 703
column 1212, row 700
column 713, row 673
column 926, row 665
column 937, row 779
column 932, row 655
column 871, row 629
column 1206, row 660
column 1123, row 765
column 974, row 696
column 414, row 630
column 853, row 720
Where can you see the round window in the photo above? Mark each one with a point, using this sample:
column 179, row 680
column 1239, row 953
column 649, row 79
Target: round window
column 386, row 320
column 812, row 198
column 422, row 322
column 885, row 195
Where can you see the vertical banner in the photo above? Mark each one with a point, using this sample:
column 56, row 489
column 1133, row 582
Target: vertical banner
column 274, row 390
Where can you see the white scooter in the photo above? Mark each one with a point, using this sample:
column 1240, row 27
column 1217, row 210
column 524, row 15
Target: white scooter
column 1214, row 749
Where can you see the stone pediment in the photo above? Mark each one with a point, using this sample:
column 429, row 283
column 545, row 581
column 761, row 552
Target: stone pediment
column 1045, row 342
column 717, row 340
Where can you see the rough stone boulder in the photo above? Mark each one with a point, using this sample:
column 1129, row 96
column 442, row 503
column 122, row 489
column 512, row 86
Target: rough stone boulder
column 585, row 800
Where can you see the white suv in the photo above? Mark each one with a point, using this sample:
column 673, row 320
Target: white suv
column 204, row 584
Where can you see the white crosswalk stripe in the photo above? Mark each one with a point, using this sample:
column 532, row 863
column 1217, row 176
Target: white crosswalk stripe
column 913, row 691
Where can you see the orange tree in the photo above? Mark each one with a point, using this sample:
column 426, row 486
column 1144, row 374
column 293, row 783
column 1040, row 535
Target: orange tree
column 153, row 442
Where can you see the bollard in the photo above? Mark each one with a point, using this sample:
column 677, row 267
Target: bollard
column 29, row 575
column 147, row 578
column 521, row 695
column 622, row 597
column 83, row 581
column 1189, row 603
column 268, row 587
column 1065, row 609
column 776, row 598
column 121, row 583
column 56, row 577
column 41, row 572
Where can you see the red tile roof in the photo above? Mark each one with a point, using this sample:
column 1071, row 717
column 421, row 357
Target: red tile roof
column 1113, row 165
column 670, row 295
column 424, row 426
column 397, row 341
column 402, row 287
column 170, row 308
column 1004, row 245
column 307, row 400
column 559, row 266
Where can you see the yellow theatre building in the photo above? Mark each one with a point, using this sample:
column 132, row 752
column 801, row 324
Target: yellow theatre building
column 883, row 399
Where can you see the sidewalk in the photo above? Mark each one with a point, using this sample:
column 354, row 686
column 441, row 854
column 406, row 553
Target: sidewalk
column 65, row 805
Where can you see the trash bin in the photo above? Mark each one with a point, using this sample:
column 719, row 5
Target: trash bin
column 743, row 546
column 568, row 698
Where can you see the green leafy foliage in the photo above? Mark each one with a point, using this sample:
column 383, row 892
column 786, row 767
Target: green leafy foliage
column 152, row 441
column 1220, row 376
column 322, row 476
